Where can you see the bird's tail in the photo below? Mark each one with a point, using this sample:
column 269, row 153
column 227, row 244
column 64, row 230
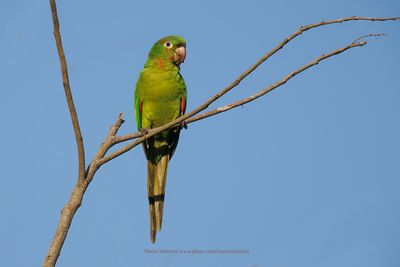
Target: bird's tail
column 156, row 180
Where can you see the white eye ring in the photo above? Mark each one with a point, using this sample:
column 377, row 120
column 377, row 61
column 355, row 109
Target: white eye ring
column 168, row 44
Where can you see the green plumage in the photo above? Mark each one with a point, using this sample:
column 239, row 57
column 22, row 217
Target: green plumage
column 160, row 97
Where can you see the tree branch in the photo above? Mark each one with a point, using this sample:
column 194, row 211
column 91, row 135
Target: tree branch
column 101, row 157
column 225, row 108
column 257, row 64
column 75, row 200
column 277, row 84
column 67, row 90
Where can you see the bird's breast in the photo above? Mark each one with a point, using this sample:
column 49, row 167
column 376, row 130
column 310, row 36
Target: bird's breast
column 161, row 94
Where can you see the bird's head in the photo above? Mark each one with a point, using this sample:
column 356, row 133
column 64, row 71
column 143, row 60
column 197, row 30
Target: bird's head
column 170, row 50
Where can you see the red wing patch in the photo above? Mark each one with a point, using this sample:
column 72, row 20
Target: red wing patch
column 140, row 106
column 183, row 105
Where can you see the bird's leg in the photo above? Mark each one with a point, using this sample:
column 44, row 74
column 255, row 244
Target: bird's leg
column 144, row 131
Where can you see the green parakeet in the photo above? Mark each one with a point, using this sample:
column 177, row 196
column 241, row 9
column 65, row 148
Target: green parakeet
column 160, row 97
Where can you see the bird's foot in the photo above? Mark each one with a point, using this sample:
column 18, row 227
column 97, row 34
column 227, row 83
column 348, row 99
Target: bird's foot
column 144, row 131
column 184, row 125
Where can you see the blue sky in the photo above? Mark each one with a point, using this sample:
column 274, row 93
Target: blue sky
column 305, row 176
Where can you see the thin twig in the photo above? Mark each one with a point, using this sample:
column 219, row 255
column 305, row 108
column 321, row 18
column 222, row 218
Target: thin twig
column 369, row 35
column 67, row 90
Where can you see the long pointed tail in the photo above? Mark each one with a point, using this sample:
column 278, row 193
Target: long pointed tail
column 156, row 180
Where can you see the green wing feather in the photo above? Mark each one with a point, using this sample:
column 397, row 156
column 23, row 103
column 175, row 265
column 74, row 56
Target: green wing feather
column 138, row 114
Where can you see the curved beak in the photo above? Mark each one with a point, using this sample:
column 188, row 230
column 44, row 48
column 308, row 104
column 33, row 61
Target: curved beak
column 179, row 55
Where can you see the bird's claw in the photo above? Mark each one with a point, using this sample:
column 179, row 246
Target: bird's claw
column 144, row 131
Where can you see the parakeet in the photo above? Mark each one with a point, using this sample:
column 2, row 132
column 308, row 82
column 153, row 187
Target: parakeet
column 160, row 97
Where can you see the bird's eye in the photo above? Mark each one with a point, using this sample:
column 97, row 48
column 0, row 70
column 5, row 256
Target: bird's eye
column 168, row 44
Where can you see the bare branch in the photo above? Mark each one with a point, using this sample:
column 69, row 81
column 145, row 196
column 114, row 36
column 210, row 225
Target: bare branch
column 67, row 90
column 255, row 66
column 75, row 200
column 104, row 147
column 272, row 87
column 67, row 214
column 155, row 131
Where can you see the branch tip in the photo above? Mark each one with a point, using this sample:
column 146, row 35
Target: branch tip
column 120, row 120
column 376, row 35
